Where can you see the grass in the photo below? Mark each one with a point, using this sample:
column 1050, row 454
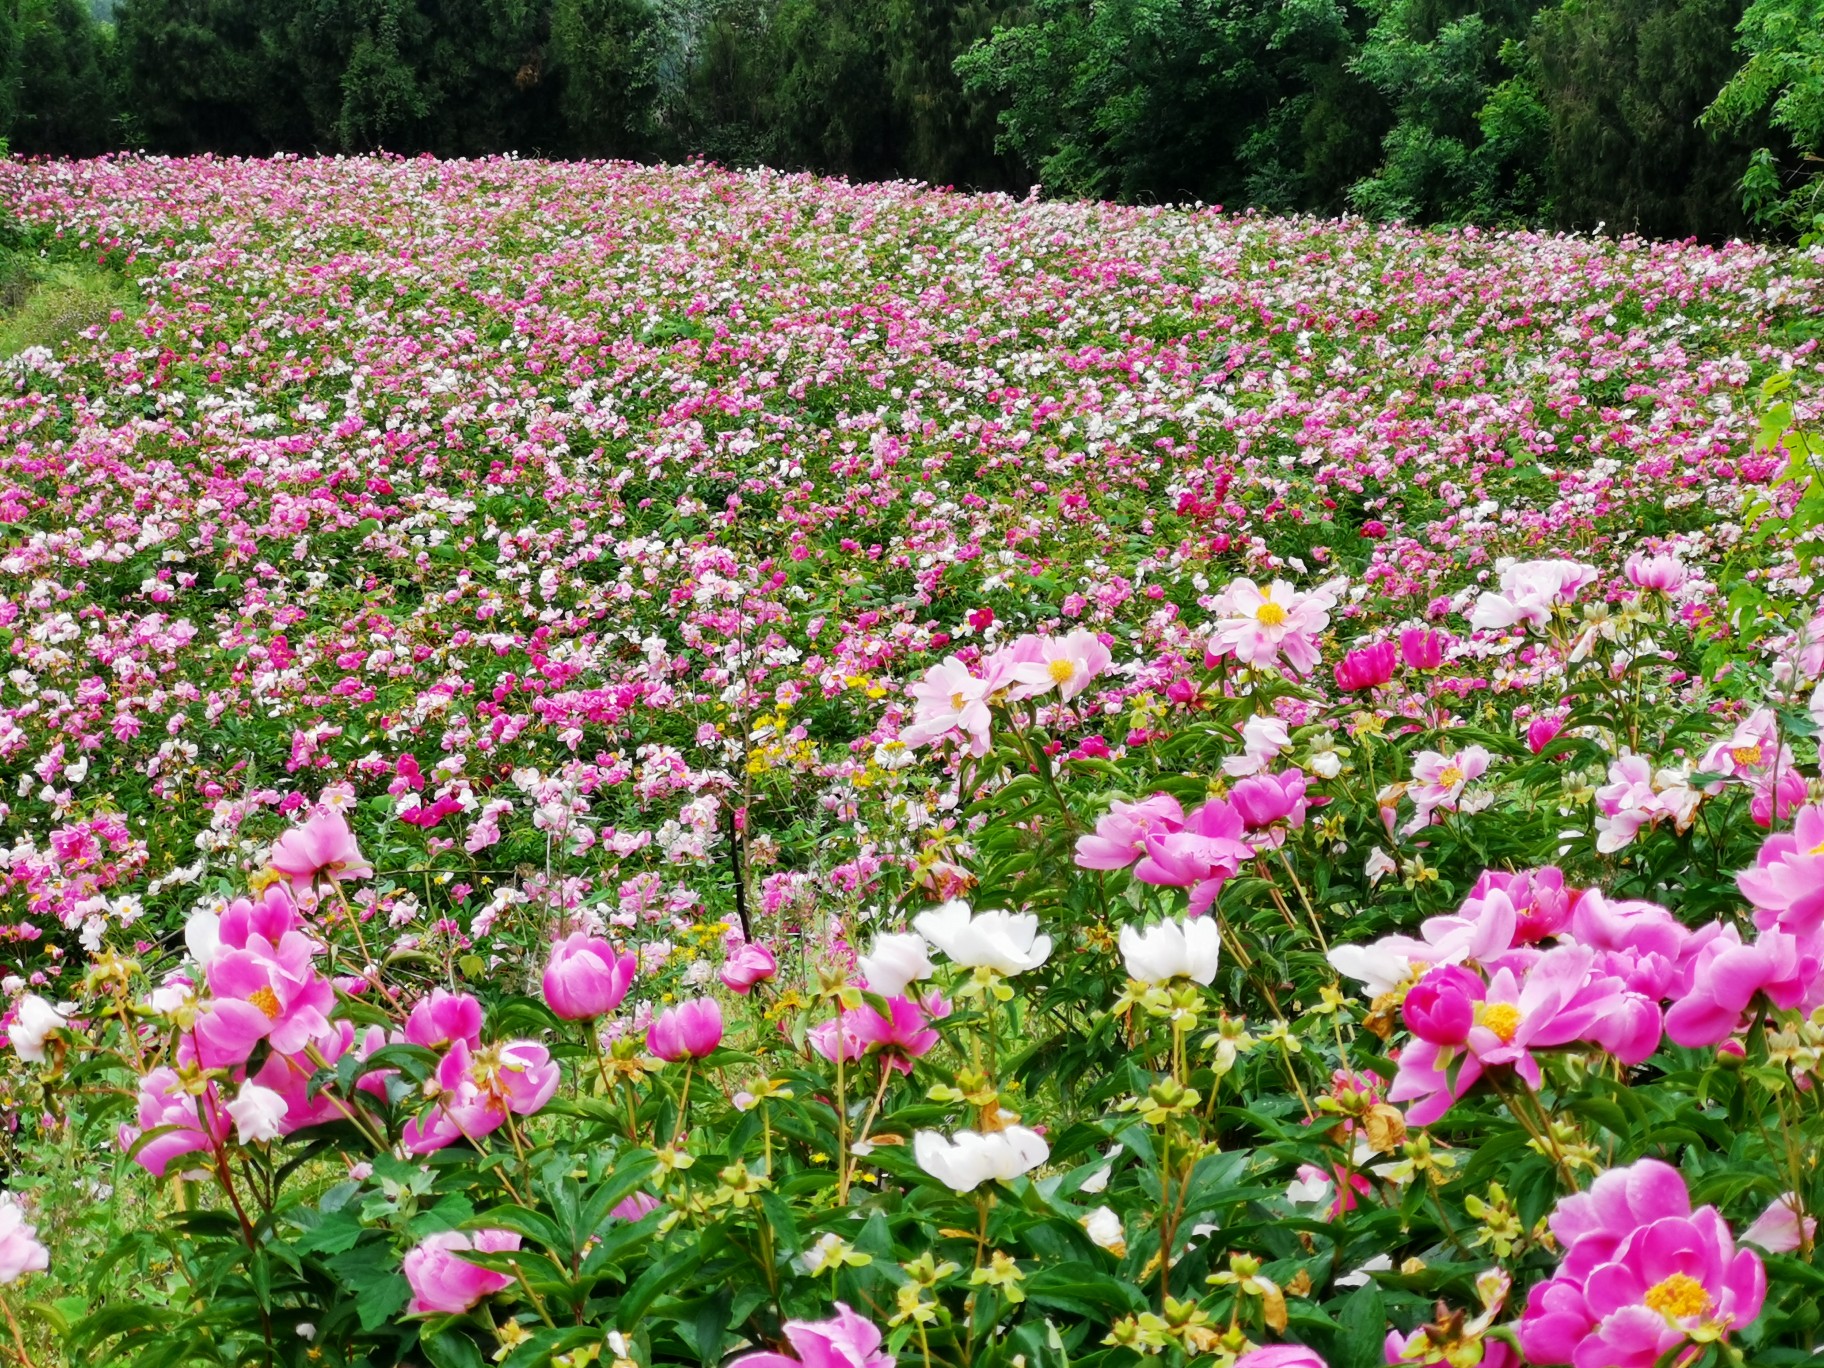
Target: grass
column 47, row 303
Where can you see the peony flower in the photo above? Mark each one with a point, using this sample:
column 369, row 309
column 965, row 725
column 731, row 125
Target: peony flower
column 445, row 1283
column 901, row 1035
column 20, row 1251
column 1281, row 1356
column 1421, row 648
column 1170, row 950
column 689, row 1030
column 1441, row 1006
column 1643, row 1276
column 1203, row 855
column 1267, row 800
column 190, row 1122
column 897, row 960
column 845, row 1341
column 1367, row 667
column 750, row 964
column 1438, row 781
column 444, row 1018
column 1726, row 975
column 1530, row 591
column 1637, row 796
column 291, row 1001
column 1067, row 664
column 1662, row 574
column 477, row 1089
column 322, row 846
column 584, row 978
column 964, row 1161
column 33, row 1022
column 1120, row 835
column 1782, row 1228
column 1105, row 1231
column 1258, row 626
column 1542, row 731
column 1540, row 903
column 949, row 703
column 269, row 915
column 258, row 1113
column 1262, row 740
column 1007, row 942
column 1786, row 884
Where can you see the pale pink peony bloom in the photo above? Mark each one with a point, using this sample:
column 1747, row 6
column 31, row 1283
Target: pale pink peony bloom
column 445, row 1283
column 1638, row 796
column 748, row 966
column 323, row 846
column 1438, row 781
column 1120, row 835
column 1260, row 626
column 190, row 1122
column 1530, row 591
column 477, row 1089
column 950, row 702
column 1781, row 1229
column 1663, row 574
column 1262, row 740
column 20, row 1251
column 1067, row 664
column 1786, row 884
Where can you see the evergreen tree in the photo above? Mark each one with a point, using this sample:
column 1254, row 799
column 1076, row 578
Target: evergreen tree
column 65, row 101
column 196, row 77
column 1624, row 83
column 606, row 53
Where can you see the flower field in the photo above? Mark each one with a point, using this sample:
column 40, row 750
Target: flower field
column 629, row 766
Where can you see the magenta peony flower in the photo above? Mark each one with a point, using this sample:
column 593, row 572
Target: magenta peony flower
column 1786, row 884
column 1726, row 975
column 1643, row 1276
column 477, row 1089
column 1281, row 1356
column 443, row 1282
column 1542, row 731
column 1202, row 856
column 845, row 1341
column 1264, row 800
column 688, row 1031
column 1365, row 668
column 903, row 1034
column 1421, row 648
column 322, row 846
column 1441, row 1007
column 749, row 965
column 584, row 977
column 1541, row 904
column 289, row 1001
column 1120, row 835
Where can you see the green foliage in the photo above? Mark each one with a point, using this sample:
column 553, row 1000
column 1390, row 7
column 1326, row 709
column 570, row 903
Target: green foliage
column 1464, row 145
column 1088, row 89
column 1624, row 83
column 66, row 97
column 1783, row 81
column 607, row 53
column 197, row 76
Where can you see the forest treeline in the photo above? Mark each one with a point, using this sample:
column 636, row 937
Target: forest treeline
column 1666, row 117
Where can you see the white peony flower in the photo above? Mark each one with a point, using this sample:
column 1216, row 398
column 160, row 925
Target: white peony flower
column 896, row 961
column 1104, row 1228
column 1007, row 942
column 964, row 1161
column 32, row 1026
column 257, row 1112
column 1189, row 949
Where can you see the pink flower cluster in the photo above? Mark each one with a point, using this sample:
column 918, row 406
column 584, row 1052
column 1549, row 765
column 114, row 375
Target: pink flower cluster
column 954, row 703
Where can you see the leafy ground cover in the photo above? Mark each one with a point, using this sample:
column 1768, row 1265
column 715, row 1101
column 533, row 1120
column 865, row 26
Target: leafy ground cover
column 652, row 766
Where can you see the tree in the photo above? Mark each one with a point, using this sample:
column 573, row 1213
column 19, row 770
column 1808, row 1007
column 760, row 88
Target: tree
column 1439, row 64
column 197, row 78
column 1782, row 81
column 606, row 54
column 1624, row 83
column 65, row 101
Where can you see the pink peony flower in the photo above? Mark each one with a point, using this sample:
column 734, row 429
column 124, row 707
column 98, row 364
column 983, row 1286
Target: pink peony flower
column 1258, row 626
column 1726, row 975
column 1120, row 835
column 20, row 1251
column 1067, row 664
column 1281, row 1356
column 903, row 1034
column 1663, row 574
column 443, row 1282
column 1542, row 731
column 584, row 977
column 322, row 846
column 845, row 1341
column 1441, row 1007
column 1643, row 1276
column 1203, row 855
column 477, row 1089
column 1438, row 781
column 196, row 1122
column 1782, row 1228
column 1366, row 668
column 1530, row 592
column 268, row 991
column 949, row 703
column 1786, row 884
column 1268, row 800
column 1262, row 739
column 1638, row 796
column 444, row 1018
column 689, row 1030
column 748, row 966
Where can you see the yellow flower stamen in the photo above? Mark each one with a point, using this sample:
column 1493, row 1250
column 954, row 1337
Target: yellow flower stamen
column 1269, row 614
column 1503, row 1019
column 1678, row 1297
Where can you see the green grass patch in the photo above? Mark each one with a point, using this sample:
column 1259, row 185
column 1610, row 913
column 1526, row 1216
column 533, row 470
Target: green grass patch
column 48, row 303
